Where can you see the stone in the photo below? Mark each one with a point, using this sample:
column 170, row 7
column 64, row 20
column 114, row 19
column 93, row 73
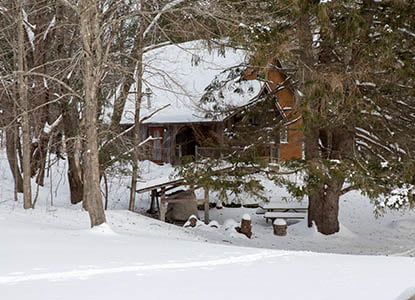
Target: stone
column 181, row 211
column 214, row 224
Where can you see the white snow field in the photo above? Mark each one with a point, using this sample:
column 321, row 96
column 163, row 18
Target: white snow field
column 51, row 253
column 47, row 254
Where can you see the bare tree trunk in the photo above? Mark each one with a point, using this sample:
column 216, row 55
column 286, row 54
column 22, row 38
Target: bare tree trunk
column 38, row 91
column 71, row 128
column 73, row 151
column 27, row 191
column 106, row 191
column 70, row 114
column 39, row 159
column 12, row 158
column 90, row 34
column 12, row 134
column 138, row 99
column 75, row 180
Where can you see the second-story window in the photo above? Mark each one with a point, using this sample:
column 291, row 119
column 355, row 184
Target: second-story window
column 284, row 135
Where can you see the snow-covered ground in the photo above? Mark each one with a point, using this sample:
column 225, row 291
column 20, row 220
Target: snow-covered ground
column 51, row 253
column 361, row 233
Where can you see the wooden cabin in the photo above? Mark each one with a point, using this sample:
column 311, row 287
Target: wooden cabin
column 182, row 126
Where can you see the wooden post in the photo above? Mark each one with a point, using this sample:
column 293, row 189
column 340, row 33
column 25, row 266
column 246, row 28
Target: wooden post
column 206, row 206
column 163, row 206
column 192, row 221
column 157, row 200
column 173, row 145
column 105, row 185
column 180, row 151
column 152, row 203
column 246, row 226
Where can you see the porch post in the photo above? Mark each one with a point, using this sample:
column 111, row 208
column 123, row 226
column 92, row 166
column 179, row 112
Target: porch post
column 206, row 205
column 163, row 207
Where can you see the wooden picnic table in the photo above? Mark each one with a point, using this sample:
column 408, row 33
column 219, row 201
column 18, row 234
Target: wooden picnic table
column 284, row 210
column 274, row 206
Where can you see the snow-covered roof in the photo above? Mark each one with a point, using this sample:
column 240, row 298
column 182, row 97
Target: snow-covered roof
column 177, row 75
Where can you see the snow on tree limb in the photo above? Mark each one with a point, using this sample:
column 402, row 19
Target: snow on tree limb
column 51, row 25
column 147, row 140
column 166, row 7
column 48, row 128
column 29, row 30
column 153, row 113
column 404, row 30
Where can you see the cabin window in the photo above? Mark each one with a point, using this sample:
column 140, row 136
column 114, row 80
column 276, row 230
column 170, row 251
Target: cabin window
column 284, row 135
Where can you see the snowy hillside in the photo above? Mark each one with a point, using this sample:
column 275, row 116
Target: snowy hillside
column 51, row 253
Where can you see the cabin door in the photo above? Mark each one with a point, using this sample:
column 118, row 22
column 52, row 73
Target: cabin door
column 186, row 142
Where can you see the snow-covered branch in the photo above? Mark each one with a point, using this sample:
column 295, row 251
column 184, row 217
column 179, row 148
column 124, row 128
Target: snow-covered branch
column 48, row 128
column 117, row 137
column 153, row 113
column 166, row 7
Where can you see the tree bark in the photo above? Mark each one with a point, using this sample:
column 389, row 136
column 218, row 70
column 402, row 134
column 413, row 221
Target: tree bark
column 326, row 214
column 323, row 206
column 27, row 190
column 38, row 88
column 138, row 99
column 11, row 133
column 311, row 149
column 311, row 131
column 326, row 210
column 12, row 158
column 73, row 151
column 69, row 111
column 90, row 33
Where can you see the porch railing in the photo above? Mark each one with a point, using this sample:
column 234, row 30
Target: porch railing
column 160, row 155
column 266, row 153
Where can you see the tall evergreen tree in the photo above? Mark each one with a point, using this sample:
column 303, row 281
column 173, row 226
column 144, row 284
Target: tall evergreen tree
column 351, row 63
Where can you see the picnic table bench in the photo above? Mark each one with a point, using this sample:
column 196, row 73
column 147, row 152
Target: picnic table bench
column 275, row 210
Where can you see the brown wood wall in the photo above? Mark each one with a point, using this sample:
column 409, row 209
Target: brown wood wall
column 286, row 99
